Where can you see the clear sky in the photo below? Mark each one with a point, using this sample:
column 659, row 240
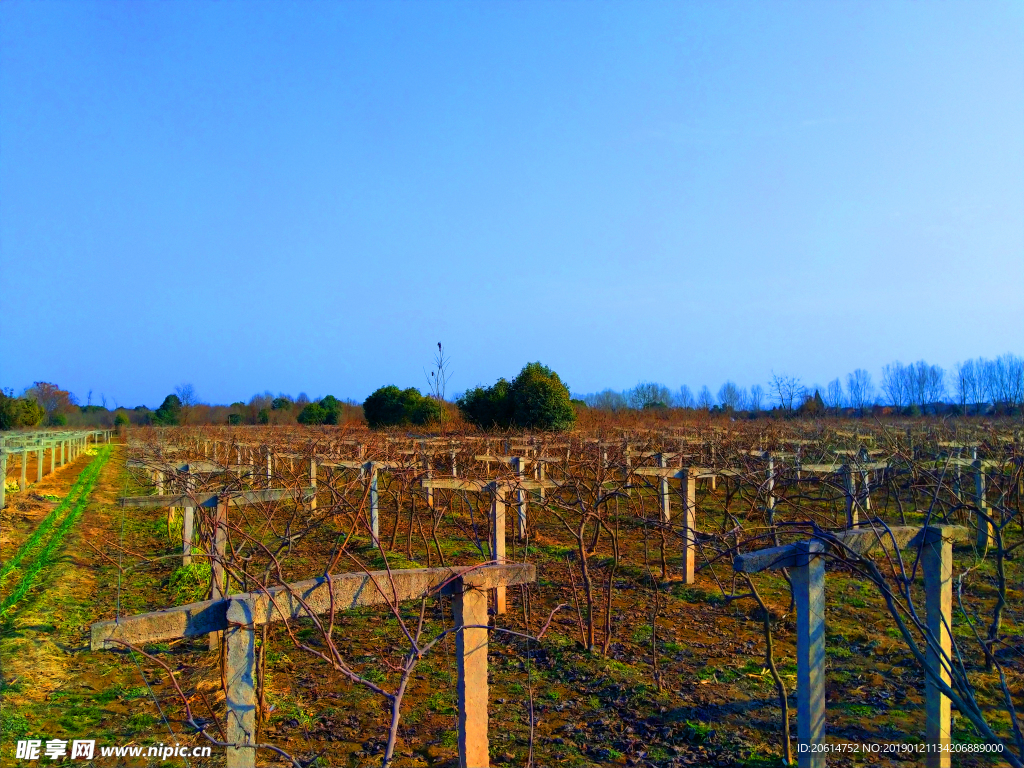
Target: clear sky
column 309, row 196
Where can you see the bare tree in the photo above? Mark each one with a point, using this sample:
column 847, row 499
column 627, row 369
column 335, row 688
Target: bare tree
column 966, row 383
column 756, row 398
column 437, row 379
column 1003, row 379
column 187, row 395
column 859, row 389
column 787, row 390
column 834, row 395
column 895, row 384
column 685, row 399
column 607, row 400
column 705, row 400
column 647, row 394
column 731, row 396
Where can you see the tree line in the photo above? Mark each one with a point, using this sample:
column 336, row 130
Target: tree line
column 976, row 386
column 537, row 398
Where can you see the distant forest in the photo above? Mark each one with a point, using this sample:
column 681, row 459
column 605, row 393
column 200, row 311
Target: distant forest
column 976, row 387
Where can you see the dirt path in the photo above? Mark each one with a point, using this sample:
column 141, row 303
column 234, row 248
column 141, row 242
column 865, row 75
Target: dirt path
column 53, row 686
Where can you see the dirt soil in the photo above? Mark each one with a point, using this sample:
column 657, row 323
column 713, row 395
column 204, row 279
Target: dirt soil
column 709, row 701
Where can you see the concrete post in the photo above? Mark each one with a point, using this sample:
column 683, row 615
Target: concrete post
column 517, row 467
column 663, row 492
column 851, row 496
column 23, row 482
column 626, row 458
column 540, row 476
column 470, row 609
column 3, row 476
column 770, row 488
column 312, row 483
column 498, row 539
column 688, row 490
column 53, row 456
column 455, row 466
column 187, row 523
column 270, row 467
column 865, row 482
column 937, row 564
column 63, row 452
column 374, row 509
column 986, row 534
column 714, row 477
column 220, row 537
column 809, row 594
column 240, row 666
column 429, row 476
column 39, row 463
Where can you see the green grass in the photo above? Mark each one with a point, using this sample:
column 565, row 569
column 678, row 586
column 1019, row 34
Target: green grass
column 189, row 583
column 859, row 710
column 838, row 652
column 450, row 739
column 86, row 478
column 44, row 552
column 697, row 732
column 13, row 725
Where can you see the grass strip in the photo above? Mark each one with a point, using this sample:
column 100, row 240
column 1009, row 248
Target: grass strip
column 44, row 557
column 41, row 530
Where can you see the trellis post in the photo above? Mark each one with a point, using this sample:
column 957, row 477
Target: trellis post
column 850, row 481
column 937, row 564
column 808, row 577
column 986, row 534
column 517, row 467
column 187, row 521
column 312, row 483
column 3, row 475
column 217, row 550
column 688, row 491
column 240, row 693
column 374, row 506
column 498, row 539
column 663, row 492
column 470, row 612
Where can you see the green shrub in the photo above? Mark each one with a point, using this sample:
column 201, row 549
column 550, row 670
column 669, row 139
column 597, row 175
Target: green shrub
column 19, row 411
column 264, row 416
column 331, row 408
column 540, row 400
column 121, row 419
column 168, row 412
column 311, row 414
column 488, row 407
column 391, row 406
column 234, row 419
column 535, row 399
column 327, row 410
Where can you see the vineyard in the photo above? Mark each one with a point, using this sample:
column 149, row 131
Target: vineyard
column 667, row 597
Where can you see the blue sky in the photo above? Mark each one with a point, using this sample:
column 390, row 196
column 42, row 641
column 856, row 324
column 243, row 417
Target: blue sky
column 309, row 196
